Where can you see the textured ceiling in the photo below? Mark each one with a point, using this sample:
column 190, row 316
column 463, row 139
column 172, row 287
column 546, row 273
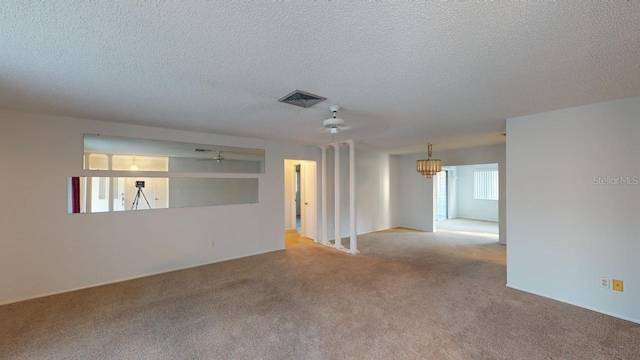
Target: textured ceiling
column 404, row 72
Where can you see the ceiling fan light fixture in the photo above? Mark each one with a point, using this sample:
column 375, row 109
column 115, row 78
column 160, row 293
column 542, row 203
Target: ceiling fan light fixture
column 218, row 158
column 335, row 122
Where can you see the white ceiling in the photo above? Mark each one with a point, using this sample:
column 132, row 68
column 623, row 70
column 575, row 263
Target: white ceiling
column 404, row 72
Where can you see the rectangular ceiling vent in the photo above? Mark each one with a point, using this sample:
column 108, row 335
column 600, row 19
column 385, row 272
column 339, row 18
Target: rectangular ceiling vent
column 302, row 98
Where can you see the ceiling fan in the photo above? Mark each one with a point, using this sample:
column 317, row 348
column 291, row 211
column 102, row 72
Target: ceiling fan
column 217, row 158
column 335, row 124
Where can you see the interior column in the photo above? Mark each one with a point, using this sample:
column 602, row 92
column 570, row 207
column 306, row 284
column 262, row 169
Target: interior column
column 353, row 247
column 110, row 197
column 325, row 236
column 336, row 185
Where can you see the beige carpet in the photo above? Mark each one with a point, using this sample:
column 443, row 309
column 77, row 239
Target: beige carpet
column 410, row 295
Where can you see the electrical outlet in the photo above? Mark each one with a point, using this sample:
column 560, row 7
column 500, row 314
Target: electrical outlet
column 618, row 285
column 604, row 282
column 213, row 244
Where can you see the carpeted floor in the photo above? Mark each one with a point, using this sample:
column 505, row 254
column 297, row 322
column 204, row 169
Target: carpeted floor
column 469, row 226
column 409, row 295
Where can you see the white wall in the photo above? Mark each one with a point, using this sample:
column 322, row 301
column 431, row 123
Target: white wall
column 467, row 206
column 394, row 190
column 185, row 192
column 416, row 209
column 225, row 166
column 376, row 190
column 566, row 231
column 44, row 250
column 289, row 184
column 416, row 206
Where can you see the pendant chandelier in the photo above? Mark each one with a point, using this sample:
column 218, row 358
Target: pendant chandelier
column 134, row 167
column 429, row 167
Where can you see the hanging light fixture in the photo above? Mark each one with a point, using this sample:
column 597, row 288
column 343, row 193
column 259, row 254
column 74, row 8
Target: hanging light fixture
column 134, row 167
column 429, row 167
column 334, row 124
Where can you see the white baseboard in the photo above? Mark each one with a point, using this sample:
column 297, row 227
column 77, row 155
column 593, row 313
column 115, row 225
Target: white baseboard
column 637, row 321
column 414, row 229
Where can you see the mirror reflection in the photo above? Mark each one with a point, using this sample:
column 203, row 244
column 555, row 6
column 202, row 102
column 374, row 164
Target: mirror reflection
column 104, row 194
column 104, row 152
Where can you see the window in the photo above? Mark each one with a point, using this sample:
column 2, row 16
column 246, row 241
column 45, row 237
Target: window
column 485, row 185
column 102, row 188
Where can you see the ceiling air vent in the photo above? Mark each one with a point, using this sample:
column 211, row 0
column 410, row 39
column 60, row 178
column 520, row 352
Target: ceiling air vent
column 302, row 98
column 201, row 150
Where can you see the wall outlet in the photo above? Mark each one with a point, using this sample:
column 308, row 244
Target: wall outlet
column 604, row 282
column 213, row 244
column 618, row 285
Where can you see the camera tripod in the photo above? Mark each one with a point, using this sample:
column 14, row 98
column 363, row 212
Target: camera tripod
column 136, row 199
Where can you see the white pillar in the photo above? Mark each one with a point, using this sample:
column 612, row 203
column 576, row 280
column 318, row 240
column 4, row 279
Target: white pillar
column 111, row 186
column 353, row 233
column 336, row 186
column 324, row 224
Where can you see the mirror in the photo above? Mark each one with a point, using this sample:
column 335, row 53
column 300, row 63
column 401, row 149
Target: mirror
column 104, row 194
column 104, row 152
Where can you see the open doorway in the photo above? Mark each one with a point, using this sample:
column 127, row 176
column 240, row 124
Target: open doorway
column 467, row 199
column 301, row 197
column 298, row 199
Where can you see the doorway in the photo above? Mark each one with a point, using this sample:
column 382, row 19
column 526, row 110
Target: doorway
column 467, row 199
column 301, row 197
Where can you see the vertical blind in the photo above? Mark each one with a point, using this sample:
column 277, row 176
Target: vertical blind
column 485, row 185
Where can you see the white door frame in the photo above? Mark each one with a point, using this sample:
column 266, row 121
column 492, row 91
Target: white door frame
column 309, row 200
column 308, row 196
